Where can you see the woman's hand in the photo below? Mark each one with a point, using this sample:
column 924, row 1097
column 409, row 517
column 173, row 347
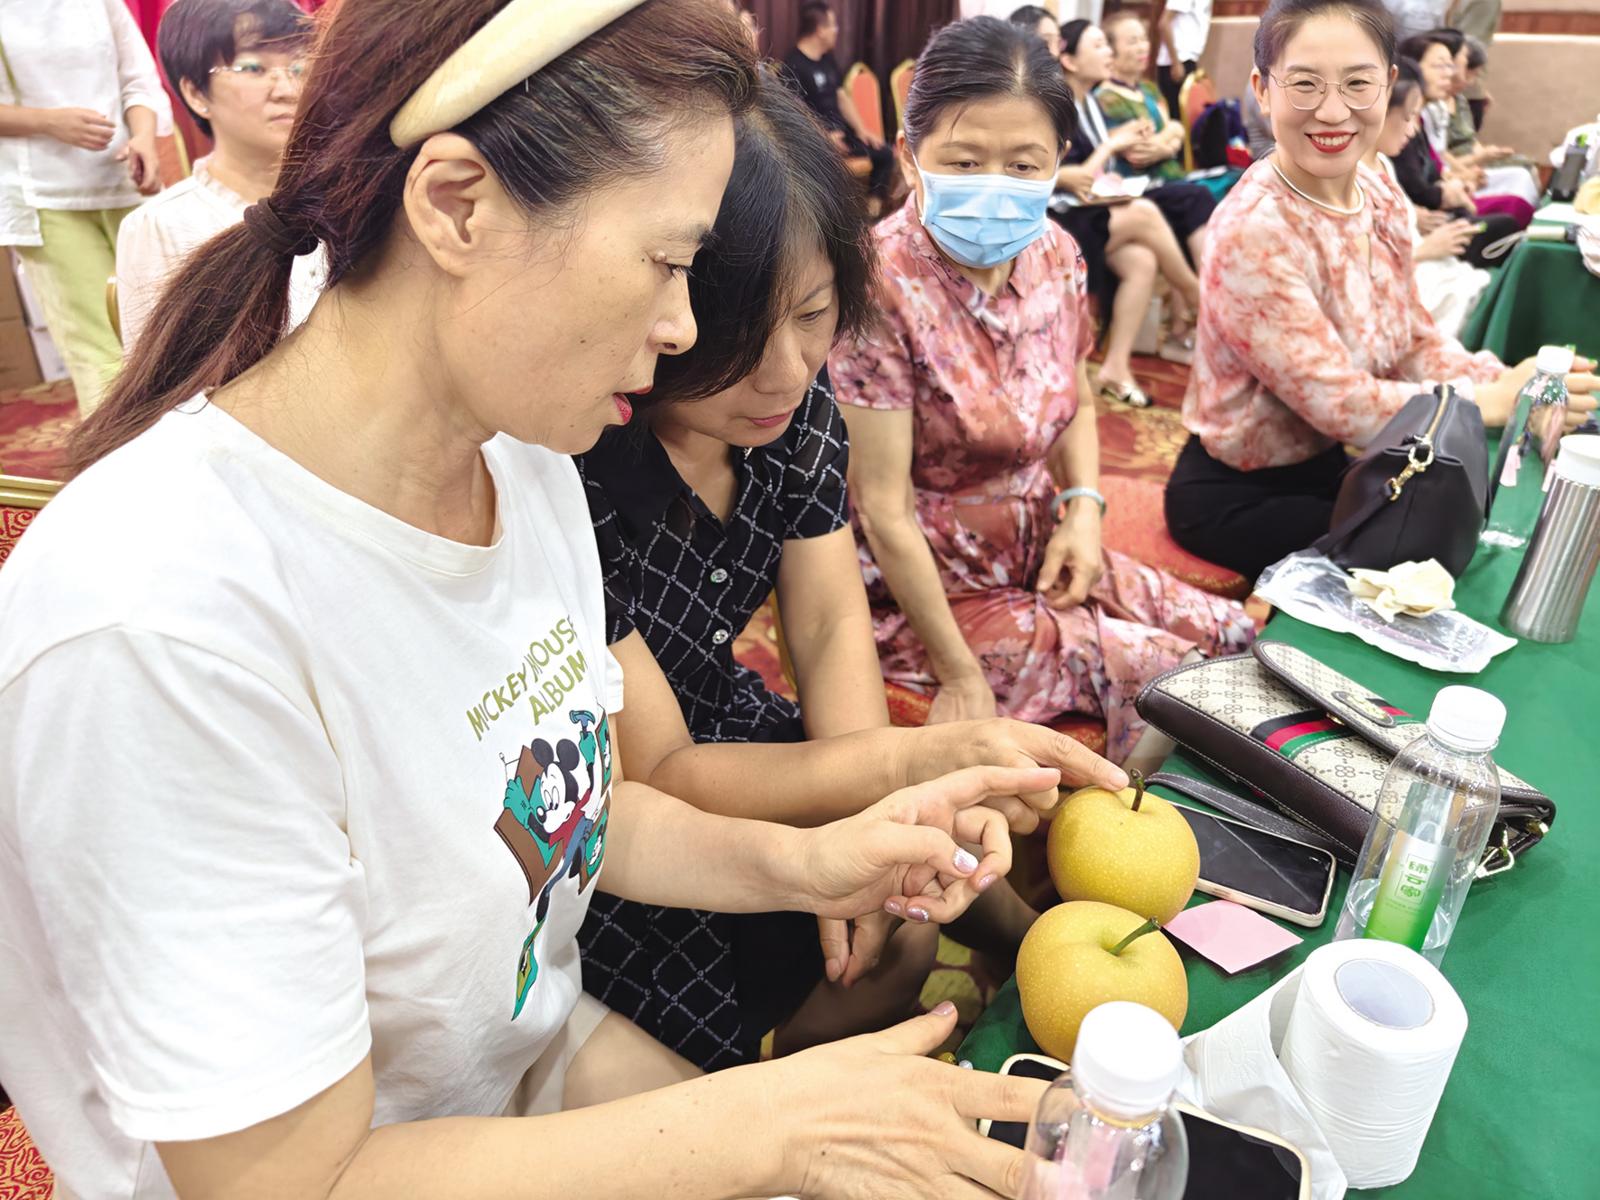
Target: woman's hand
column 852, row 948
column 965, row 698
column 144, row 164
column 1456, row 195
column 1073, row 562
column 937, row 750
column 874, row 1116
column 1429, row 219
column 1446, row 241
column 1128, row 134
column 1077, row 180
column 80, row 127
column 907, row 855
column 1497, row 398
column 1146, row 152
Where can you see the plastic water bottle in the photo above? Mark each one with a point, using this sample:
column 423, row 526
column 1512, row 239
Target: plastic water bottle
column 1434, row 813
column 1107, row 1130
column 1521, row 472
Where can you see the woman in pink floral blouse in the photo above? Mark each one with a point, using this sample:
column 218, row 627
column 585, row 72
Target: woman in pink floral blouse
column 973, row 467
column 1312, row 334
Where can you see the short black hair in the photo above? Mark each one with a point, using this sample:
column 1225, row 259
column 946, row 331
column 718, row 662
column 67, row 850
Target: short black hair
column 1284, row 17
column 789, row 192
column 1418, row 44
column 1029, row 16
column 1477, row 52
column 1407, row 80
column 983, row 57
column 1072, row 34
column 813, row 16
column 196, row 35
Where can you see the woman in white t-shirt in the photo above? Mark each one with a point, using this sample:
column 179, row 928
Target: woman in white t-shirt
column 237, row 66
column 305, row 698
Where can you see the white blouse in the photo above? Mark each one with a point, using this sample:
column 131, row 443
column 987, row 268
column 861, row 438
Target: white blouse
column 164, row 230
column 70, row 54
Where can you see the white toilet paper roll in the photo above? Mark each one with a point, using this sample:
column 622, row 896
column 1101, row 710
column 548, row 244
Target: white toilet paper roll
column 1369, row 1046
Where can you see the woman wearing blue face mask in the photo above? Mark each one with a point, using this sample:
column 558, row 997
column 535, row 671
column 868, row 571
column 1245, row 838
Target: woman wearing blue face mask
column 973, row 466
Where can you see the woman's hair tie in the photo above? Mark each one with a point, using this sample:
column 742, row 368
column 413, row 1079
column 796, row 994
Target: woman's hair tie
column 276, row 234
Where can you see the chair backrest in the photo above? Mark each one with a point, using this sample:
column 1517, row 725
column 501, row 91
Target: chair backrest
column 20, row 499
column 1197, row 92
column 861, row 85
column 900, row 87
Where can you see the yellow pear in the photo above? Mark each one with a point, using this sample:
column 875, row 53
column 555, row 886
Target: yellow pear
column 1127, row 848
column 1080, row 955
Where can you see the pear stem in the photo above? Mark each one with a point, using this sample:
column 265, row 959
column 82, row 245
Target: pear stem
column 1149, row 926
column 1138, row 788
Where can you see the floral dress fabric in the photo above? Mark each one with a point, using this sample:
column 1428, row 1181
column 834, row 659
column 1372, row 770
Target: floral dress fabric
column 991, row 383
column 1120, row 107
column 1312, row 333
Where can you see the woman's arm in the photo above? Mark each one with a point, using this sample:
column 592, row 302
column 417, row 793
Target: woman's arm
column 866, row 1113
column 809, row 783
column 886, row 505
column 1075, row 544
column 827, row 627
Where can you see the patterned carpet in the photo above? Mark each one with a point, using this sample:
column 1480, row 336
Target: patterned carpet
column 34, row 425
column 1135, row 444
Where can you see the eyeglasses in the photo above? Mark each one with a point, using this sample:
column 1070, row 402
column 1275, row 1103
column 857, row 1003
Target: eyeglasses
column 258, row 72
column 1306, row 92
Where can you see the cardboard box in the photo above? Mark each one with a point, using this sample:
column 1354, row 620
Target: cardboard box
column 18, row 366
column 45, row 354
column 10, row 295
column 32, row 309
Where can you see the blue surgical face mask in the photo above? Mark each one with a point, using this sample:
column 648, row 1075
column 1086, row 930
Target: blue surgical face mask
column 982, row 221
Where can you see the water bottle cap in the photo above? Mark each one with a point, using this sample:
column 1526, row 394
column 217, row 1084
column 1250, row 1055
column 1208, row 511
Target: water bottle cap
column 1467, row 717
column 1555, row 360
column 1128, row 1058
column 1579, row 459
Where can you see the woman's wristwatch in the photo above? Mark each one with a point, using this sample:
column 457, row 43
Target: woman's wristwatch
column 1065, row 495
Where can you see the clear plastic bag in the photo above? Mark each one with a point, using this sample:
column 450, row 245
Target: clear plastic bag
column 1312, row 589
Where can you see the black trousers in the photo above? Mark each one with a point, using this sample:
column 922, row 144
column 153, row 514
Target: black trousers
column 883, row 165
column 1248, row 520
column 1169, row 89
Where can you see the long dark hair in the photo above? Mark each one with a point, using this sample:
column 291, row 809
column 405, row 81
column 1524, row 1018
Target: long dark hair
column 1284, row 17
column 983, row 57
column 1408, row 80
column 592, row 116
column 789, row 192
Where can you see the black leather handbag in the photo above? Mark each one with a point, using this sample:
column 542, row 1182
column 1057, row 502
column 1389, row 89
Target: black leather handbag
column 1419, row 491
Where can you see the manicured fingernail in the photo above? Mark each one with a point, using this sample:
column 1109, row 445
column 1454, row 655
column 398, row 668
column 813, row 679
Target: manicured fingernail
column 894, row 907
column 833, row 970
column 944, row 1009
column 918, row 914
column 985, row 883
column 965, row 862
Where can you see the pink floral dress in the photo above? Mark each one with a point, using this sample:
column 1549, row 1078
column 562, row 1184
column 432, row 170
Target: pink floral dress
column 991, row 383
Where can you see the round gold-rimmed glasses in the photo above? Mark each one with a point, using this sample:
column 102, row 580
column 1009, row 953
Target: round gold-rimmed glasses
column 1306, row 91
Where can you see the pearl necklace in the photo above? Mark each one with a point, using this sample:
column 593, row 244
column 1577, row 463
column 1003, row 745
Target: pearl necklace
column 1361, row 202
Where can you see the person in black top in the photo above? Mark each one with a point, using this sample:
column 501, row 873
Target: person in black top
column 730, row 485
column 811, row 70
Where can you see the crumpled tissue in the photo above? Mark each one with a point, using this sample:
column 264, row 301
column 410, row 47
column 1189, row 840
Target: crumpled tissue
column 1417, row 589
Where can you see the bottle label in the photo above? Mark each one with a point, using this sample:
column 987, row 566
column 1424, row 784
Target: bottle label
column 1409, row 888
column 1508, row 474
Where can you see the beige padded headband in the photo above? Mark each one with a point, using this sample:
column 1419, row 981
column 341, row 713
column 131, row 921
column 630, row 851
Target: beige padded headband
column 518, row 40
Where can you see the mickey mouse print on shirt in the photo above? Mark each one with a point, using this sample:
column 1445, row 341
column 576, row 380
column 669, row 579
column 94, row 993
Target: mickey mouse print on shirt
column 557, row 805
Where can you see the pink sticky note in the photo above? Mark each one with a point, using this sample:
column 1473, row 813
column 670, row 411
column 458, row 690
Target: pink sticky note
column 1230, row 935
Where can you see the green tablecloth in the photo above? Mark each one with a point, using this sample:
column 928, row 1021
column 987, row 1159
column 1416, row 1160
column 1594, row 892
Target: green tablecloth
column 1541, row 294
column 1518, row 1116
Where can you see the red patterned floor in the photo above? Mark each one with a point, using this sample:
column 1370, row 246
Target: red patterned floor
column 34, row 425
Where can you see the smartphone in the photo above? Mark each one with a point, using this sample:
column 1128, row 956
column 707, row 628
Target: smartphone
column 1226, row 1161
column 1260, row 870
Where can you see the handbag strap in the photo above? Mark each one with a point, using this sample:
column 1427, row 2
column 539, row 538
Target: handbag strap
column 1255, row 815
column 1419, row 457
